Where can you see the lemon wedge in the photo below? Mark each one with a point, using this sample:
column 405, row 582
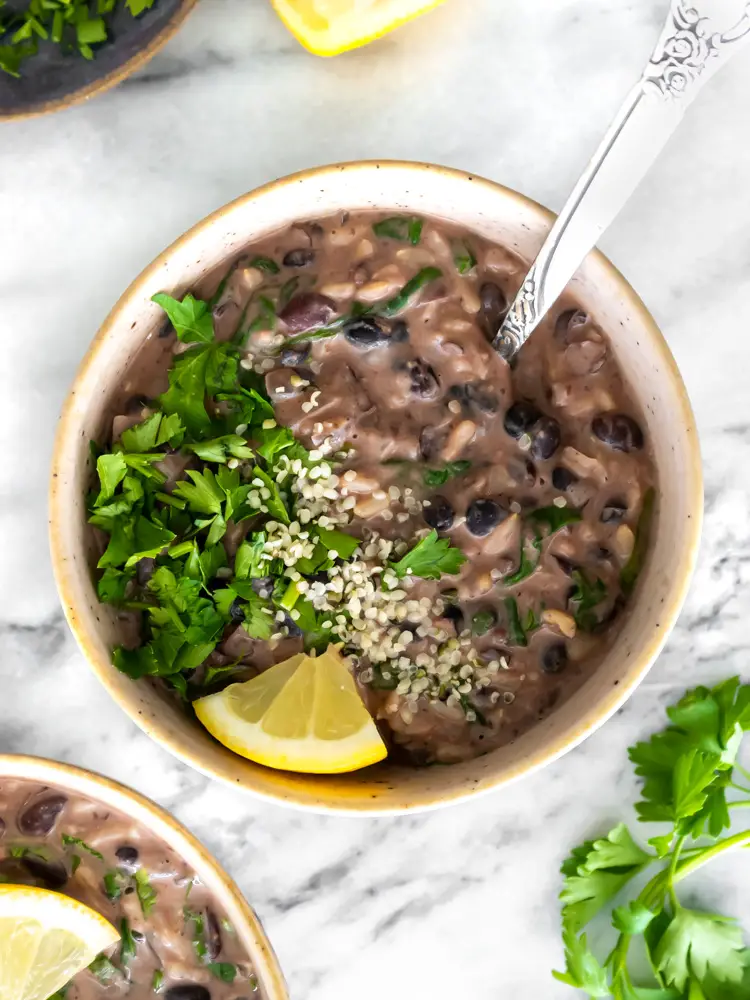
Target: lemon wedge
column 45, row 939
column 328, row 27
column 304, row 714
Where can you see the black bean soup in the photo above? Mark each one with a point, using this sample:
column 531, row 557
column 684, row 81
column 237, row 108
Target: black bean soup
column 372, row 337
column 175, row 939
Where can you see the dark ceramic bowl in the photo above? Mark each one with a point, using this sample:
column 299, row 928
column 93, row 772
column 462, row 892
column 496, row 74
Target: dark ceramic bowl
column 52, row 80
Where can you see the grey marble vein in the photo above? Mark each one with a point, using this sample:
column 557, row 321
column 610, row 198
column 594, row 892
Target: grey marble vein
column 460, row 903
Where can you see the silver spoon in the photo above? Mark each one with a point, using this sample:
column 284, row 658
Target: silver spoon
column 698, row 38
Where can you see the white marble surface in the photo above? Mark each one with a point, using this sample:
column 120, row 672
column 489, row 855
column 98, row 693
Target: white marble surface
column 460, row 903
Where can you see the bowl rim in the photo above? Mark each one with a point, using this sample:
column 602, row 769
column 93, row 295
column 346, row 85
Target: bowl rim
column 595, row 717
column 113, row 793
column 109, row 80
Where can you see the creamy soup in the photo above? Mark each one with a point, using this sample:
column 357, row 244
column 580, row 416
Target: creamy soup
column 496, row 517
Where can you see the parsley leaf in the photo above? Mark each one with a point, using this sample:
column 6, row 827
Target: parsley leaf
column 191, row 318
column 582, row 968
column 410, row 289
column 201, row 371
column 430, row 559
column 145, row 891
column 553, row 517
column 69, row 841
column 204, row 495
column 221, row 449
column 697, row 943
column 516, row 633
column 153, row 432
column 463, row 258
column 339, row 542
column 400, row 227
column 438, row 477
column 586, row 596
column 127, row 942
column 224, row 971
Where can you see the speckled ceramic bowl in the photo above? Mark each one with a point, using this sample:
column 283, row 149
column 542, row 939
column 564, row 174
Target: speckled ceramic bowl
column 161, row 824
column 53, row 79
column 496, row 214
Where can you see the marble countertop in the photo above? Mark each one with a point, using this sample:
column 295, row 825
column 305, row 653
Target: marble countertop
column 460, row 903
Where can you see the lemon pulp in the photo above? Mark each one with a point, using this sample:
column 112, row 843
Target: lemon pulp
column 304, row 714
column 328, row 27
column 45, row 939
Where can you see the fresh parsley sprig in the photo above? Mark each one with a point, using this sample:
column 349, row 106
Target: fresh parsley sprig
column 691, row 777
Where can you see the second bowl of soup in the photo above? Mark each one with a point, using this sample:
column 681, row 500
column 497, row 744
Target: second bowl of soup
column 305, row 442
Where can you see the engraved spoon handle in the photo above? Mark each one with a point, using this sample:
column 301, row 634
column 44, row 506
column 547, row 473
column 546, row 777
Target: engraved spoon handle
column 698, row 38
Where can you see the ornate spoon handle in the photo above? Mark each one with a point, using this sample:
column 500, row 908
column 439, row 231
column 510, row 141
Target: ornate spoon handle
column 698, row 39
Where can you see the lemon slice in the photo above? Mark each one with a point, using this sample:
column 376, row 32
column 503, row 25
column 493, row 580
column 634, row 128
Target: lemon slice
column 304, row 714
column 45, row 939
column 327, row 27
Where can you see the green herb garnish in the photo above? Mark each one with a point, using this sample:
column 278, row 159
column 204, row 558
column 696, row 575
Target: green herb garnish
column 482, row 622
column 586, row 596
column 157, row 980
column 224, row 971
column 516, row 633
column 463, row 258
column 553, row 518
column 265, row 264
column 127, row 941
column 73, row 25
column 438, row 477
column 430, row 559
column 190, row 317
column 145, row 891
column 104, row 970
column 688, row 770
column 410, row 289
column 69, row 841
column 114, row 883
column 400, row 227
column 528, row 560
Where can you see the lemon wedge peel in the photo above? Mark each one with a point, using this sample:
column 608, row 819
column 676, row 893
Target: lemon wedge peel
column 332, row 32
column 304, row 714
column 45, row 939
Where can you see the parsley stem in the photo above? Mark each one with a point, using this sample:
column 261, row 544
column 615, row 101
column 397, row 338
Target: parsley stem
column 739, row 802
column 672, row 869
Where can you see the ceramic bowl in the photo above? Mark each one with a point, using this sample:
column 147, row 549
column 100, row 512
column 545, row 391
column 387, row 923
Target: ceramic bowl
column 496, row 214
column 53, row 80
column 161, row 824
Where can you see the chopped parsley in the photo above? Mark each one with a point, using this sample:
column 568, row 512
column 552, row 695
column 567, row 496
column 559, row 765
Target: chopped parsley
column 224, row 971
column 69, row 841
column 516, row 633
column 145, row 891
column 157, row 980
column 127, row 941
column 438, row 477
column 104, row 970
column 430, row 559
column 74, row 26
column 586, row 597
column 400, row 227
column 463, row 258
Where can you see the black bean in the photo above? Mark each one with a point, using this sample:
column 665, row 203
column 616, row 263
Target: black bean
column 127, row 854
column 484, row 515
column 520, row 418
column 166, row 331
column 614, row 511
column 307, row 311
column 212, row 936
column 293, row 629
column 476, row 395
column 424, row 381
column 439, row 515
column 545, row 438
column 39, row 819
column 2, row 826
column 136, row 403
column 555, row 658
column 568, row 322
column 237, row 610
column 494, row 306
column 261, row 583
column 293, row 356
column 619, row 431
column 299, row 258
column 188, row 991
column 144, row 570
column 562, row 478
column 454, row 614
column 364, row 332
column 52, row 874
column 17, row 872
column 399, row 332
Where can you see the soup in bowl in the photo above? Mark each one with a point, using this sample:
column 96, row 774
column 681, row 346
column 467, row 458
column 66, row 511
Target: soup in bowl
column 185, row 931
column 306, row 443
